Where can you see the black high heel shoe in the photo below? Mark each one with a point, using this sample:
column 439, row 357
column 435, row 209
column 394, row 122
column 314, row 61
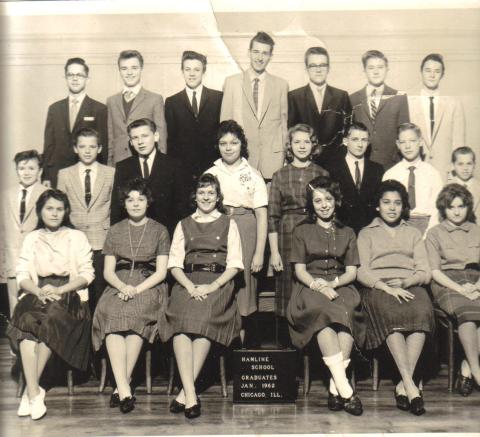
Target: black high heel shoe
column 127, row 404
column 176, row 407
column 193, row 412
column 401, row 400
column 417, row 407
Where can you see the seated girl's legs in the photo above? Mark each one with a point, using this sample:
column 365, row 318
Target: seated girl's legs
column 43, row 355
column 29, row 354
column 346, row 343
column 469, row 335
column 190, row 355
column 134, row 345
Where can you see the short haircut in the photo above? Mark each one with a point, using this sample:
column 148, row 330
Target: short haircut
column 373, row 54
column 391, row 185
column 142, row 122
column 205, row 180
column 79, row 61
column 434, row 57
column 128, row 54
column 409, row 126
column 188, row 55
column 263, row 38
column 232, row 127
column 356, row 125
column 301, row 127
column 57, row 195
column 327, row 184
column 316, row 51
column 448, row 194
column 86, row 132
column 464, row 150
column 137, row 184
column 27, row 155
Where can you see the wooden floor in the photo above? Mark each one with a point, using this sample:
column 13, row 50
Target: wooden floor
column 88, row 414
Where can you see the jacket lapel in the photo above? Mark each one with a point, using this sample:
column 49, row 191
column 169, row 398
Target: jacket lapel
column 438, row 116
column 267, row 96
column 32, row 200
column 365, row 107
column 66, row 114
column 247, row 91
column 203, row 99
column 99, row 182
column 138, row 99
column 387, row 94
column 77, row 184
column 82, row 111
column 155, row 166
column 311, row 105
column 327, row 99
column 186, row 101
column 14, row 205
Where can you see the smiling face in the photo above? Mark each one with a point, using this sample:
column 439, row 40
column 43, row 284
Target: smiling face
column 136, row 205
column 143, row 140
column 317, row 69
column 323, row 204
column 76, row 78
column 356, row 143
column 464, row 166
column 260, row 55
column 130, row 71
column 302, row 146
column 457, row 212
column 432, row 73
column 409, row 144
column 206, row 198
column 390, row 207
column 87, row 149
column 28, row 172
column 193, row 72
column 376, row 71
column 52, row 214
column 230, row 148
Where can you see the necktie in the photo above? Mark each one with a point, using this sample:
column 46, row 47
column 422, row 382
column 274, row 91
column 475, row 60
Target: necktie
column 358, row 178
column 255, row 92
column 88, row 187
column 432, row 115
column 146, row 172
column 73, row 112
column 23, row 205
column 411, row 187
column 373, row 104
column 129, row 95
column 194, row 104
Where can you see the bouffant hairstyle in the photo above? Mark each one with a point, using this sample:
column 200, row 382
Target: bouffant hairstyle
column 448, row 194
column 326, row 184
column 232, row 127
column 136, row 184
column 316, row 149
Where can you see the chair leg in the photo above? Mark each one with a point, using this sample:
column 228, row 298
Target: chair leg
column 21, row 384
column 306, row 374
column 103, row 375
column 148, row 370
column 451, row 359
column 353, row 380
column 171, row 374
column 70, row 382
column 375, row 378
column 223, row 376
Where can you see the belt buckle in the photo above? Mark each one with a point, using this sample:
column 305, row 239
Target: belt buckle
column 212, row 268
column 146, row 273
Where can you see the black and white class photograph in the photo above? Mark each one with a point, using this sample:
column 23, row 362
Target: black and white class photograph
column 237, row 218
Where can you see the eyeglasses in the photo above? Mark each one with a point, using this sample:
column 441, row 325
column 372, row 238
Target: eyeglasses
column 315, row 66
column 76, row 76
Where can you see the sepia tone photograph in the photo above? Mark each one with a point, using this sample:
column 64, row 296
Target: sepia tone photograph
column 239, row 218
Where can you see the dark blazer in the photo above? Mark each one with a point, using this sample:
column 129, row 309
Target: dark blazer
column 358, row 208
column 329, row 125
column 58, row 139
column 392, row 111
column 167, row 181
column 192, row 140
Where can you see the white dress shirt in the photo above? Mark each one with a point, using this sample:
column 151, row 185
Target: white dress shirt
column 318, row 94
column 176, row 257
column 261, row 87
column 198, row 94
column 93, row 173
column 350, row 159
column 150, row 160
column 135, row 90
column 378, row 96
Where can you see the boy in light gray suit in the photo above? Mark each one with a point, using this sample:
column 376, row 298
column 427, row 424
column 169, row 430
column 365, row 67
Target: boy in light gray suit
column 88, row 185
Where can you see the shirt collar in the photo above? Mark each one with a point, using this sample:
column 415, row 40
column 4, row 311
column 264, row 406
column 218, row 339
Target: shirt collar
column 317, row 88
column 221, row 165
column 151, row 157
column 351, row 159
column 198, row 90
column 379, row 89
column 457, row 180
column 213, row 214
column 429, row 93
column 406, row 164
column 135, row 89
column 253, row 75
column 79, row 97
column 466, row 226
column 92, row 167
column 29, row 188
column 377, row 221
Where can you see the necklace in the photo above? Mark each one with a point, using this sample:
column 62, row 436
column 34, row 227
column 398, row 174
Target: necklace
column 134, row 255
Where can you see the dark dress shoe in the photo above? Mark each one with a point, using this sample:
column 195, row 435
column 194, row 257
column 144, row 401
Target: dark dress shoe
column 192, row 412
column 464, row 385
column 402, row 401
column 176, row 407
column 353, row 405
column 114, row 400
column 127, row 404
column 417, row 406
column 335, row 402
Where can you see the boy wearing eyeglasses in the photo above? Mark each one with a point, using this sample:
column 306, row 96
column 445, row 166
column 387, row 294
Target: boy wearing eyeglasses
column 326, row 108
column 67, row 116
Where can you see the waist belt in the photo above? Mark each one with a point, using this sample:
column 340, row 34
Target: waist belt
column 302, row 211
column 146, row 269
column 212, row 267
column 472, row 266
column 237, row 210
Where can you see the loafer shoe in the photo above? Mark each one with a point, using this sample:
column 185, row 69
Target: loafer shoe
column 335, row 402
column 417, row 406
column 127, row 404
column 114, row 400
column 192, row 412
column 353, row 405
column 464, row 385
column 402, row 401
column 24, row 407
column 37, row 406
column 176, row 407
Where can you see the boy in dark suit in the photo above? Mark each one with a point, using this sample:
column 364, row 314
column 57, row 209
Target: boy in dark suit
column 67, row 116
column 359, row 179
column 192, row 117
column 164, row 174
column 380, row 108
column 325, row 108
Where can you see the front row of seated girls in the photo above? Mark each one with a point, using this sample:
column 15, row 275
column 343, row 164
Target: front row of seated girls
column 393, row 264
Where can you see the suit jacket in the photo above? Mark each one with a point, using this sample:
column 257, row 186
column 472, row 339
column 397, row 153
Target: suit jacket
column 145, row 105
column 192, row 140
column 58, row 138
column 358, row 208
column 448, row 130
column 329, row 124
column 94, row 219
column 14, row 231
column 392, row 111
column 266, row 135
column 167, row 182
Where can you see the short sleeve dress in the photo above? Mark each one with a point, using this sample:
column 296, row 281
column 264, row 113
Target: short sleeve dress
column 326, row 253
column 138, row 315
column 286, row 208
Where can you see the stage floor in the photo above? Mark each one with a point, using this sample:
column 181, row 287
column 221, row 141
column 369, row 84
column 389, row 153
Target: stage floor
column 87, row 413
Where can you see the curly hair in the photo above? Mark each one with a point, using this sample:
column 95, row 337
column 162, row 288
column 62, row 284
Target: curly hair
column 301, row 127
column 391, row 185
column 448, row 194
column 57, row 195
column 232, row 127
column 205, row 180
column 328, row 185
column 137, row 184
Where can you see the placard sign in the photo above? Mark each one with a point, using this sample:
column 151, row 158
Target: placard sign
column 264, row 376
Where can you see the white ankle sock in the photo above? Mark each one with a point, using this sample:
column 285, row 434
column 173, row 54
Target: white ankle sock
column 465, row 369
column 335, row 363
column 332, row 388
